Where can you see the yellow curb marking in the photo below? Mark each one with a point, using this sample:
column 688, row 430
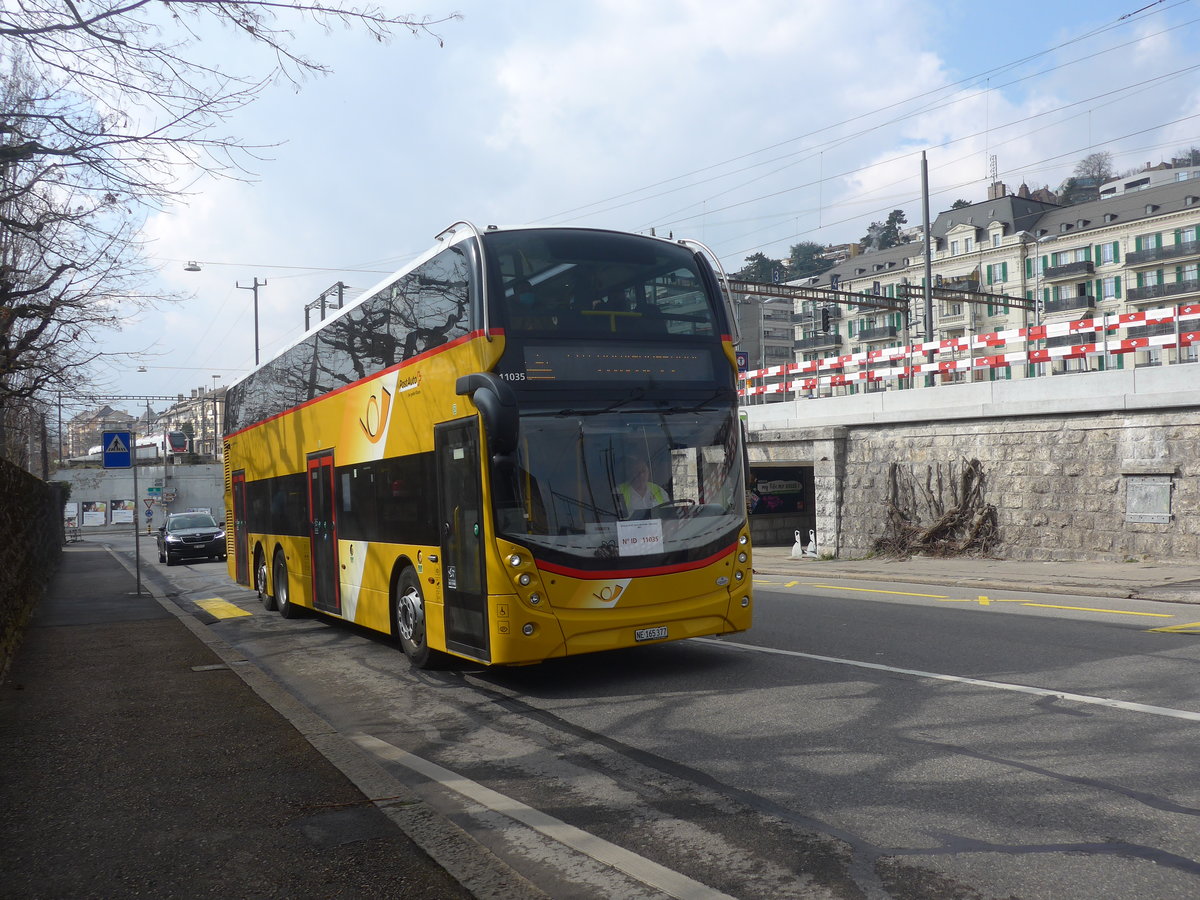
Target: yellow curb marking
column 1190, row 628
column 983, row 600
column 1115, row 612
column 222, row 609
column 838, row 587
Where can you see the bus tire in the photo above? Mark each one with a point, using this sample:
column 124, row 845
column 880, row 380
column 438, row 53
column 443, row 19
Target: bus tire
column 260, row 578
column 283, row 590
column 408, row 611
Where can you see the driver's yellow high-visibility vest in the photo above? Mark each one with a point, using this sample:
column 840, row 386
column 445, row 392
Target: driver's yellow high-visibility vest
column 657, row 494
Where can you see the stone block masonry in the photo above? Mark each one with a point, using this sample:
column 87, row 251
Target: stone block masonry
column 1060, row 485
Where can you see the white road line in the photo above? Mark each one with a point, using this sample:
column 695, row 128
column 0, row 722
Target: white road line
column 997, row 685
column 644, row 870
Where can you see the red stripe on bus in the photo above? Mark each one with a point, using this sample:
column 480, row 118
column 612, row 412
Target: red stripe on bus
column 589, row 575
column 420, row 357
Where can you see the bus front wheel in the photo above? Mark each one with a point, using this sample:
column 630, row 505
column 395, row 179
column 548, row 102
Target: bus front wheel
column 409, row 607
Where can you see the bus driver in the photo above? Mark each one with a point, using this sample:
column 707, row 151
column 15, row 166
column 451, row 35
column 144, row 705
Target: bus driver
column 638, row 492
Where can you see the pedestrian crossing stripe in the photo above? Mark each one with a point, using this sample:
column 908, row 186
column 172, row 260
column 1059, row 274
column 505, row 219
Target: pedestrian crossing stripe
column 1190, row 628
column 116, row 445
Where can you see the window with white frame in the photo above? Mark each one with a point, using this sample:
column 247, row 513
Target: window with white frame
column 1189, row 235
column 1064, row 257
column 1106, row 253
column 954, row 248
column 968, row 245
column 1190, row 272
column 1110, row 287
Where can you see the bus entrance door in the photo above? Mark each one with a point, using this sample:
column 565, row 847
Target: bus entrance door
column 322, row 533
column 241, row 545
column 461, row 517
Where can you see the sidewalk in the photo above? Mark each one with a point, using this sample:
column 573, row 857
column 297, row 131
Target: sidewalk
column 1148, row 581
column 141, row 759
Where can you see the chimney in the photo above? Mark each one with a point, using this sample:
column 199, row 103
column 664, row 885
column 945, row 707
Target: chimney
column 997, row 191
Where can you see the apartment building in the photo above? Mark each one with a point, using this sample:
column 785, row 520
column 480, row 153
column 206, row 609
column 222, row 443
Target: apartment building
column 1120, row 254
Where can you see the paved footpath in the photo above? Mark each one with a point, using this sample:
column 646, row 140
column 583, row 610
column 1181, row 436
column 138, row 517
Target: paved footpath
column 141, row 760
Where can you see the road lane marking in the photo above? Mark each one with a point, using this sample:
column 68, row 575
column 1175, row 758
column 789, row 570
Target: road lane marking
column 1166, row 711
column 1190, row 628
column 222, row 609
column 670, row 882
column 1115, row 612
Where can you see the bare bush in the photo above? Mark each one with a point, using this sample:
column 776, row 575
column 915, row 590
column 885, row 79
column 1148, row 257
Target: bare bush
column 940, row 512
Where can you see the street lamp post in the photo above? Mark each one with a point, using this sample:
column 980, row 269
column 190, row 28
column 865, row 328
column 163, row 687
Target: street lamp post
column 216, row 424
column 194, row 266
column 254, row 287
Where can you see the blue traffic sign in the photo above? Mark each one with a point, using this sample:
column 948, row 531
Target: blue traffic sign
column 117, row 449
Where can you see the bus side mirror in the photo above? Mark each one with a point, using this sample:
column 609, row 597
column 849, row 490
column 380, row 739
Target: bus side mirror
column 497, row 405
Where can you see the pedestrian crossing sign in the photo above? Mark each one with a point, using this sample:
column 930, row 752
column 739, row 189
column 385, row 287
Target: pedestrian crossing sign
column 118, row 449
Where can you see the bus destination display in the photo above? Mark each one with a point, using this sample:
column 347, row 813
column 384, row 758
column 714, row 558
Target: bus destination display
column 630, row 362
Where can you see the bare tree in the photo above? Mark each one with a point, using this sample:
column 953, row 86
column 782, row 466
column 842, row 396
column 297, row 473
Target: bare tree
column 100, row 107
column 138, row 67
column 1096, row 166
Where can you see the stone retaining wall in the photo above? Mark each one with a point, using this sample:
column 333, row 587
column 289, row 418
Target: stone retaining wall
column 1059, row 484
column 1060, row 464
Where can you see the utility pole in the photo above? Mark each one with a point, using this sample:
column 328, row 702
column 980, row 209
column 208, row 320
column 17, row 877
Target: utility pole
column 254, row 287
column 928, row 257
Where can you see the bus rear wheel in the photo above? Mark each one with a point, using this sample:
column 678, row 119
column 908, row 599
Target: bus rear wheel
column 409, row 610
column 282, row 591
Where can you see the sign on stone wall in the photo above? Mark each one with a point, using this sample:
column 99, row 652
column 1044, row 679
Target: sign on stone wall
column 1148, row 498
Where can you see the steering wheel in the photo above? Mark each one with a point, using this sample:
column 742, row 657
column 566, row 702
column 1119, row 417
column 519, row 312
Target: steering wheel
column 685, row 501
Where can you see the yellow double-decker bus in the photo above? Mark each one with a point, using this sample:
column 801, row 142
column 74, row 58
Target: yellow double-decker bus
column 524, row 445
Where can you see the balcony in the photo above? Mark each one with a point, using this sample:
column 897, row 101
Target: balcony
column 1080, row 304
column 1160, row 291
column 951, row 315
column 959, row 284
column 1154, row 330
column 1158, row 254
column 879, row 333
column 818, row 342
column 1069, row 270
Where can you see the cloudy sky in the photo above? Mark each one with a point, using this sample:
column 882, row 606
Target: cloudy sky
column 750, row 126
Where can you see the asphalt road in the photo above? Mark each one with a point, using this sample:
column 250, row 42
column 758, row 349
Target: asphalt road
column 861, row 741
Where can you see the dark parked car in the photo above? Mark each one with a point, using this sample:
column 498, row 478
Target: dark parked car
column 190, row 536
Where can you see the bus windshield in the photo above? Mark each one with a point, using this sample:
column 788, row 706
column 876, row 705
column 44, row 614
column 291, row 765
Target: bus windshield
column 613, row 489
